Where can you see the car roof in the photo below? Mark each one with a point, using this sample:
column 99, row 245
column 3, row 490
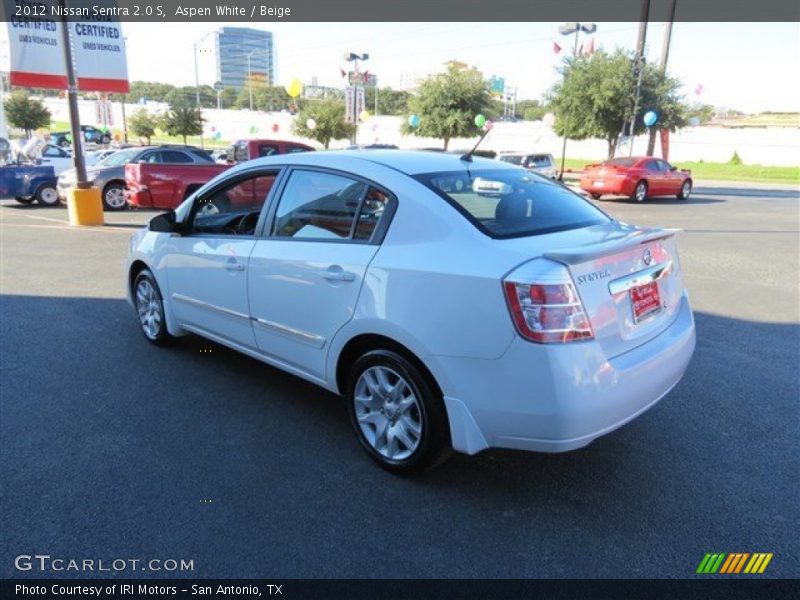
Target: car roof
column 410, row 162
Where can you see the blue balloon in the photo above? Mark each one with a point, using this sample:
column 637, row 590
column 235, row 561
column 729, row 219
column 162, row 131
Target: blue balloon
column 413, row 120
column 650, row 118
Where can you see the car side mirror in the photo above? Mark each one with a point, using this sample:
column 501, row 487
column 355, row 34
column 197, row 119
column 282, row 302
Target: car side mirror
column 165, row 223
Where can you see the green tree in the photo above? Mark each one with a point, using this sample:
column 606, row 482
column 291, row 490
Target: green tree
column 595, row 97
column 184, row 120
column 531, row 110
column 265, row 97
column 390, row 102
column 228, row 97
column 330, row 124
column 447, row 104
column 143, row 124
column 25, row 112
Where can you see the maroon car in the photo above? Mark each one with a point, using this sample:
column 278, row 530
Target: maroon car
column 638, row 178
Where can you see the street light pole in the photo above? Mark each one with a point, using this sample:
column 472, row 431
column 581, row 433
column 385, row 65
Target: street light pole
column 250, row 80
column 569, row 29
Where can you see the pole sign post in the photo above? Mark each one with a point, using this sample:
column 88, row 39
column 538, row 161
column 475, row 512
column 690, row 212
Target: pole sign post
column 37, row 53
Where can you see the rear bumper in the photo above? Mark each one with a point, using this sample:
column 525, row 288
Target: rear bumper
column 612, row 185
column 550, row 398
column 139, row 199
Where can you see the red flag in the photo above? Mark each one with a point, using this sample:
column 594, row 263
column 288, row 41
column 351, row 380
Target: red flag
column 556, row 48
column 366, row 76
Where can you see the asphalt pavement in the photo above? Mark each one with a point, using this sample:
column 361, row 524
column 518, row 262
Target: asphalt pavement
column 112, row 448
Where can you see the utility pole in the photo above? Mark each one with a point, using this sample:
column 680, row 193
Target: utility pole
column 124, row 119
column 651, row 142
column 639, row 61
column 74, row 114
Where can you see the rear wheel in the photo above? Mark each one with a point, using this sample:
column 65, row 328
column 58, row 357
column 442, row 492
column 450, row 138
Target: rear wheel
column 47, row 195
column 398, row 417
column 640, row 192
column 150, row 309
column 114, row 197
column 686, row 190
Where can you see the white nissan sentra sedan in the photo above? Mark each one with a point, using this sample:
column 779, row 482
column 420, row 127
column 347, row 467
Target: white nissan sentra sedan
column 456, row 304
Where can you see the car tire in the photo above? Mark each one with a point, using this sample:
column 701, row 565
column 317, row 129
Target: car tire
column 25, row 199
column 397, row 413
column 47, row 195
column 105, row 140
column 596, row 196
column 686, row 190
column 114, row 197
column 639, row 192
column 149, row 306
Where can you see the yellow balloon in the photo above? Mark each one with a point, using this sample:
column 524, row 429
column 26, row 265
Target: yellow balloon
column 364, row 116
column 294, row 88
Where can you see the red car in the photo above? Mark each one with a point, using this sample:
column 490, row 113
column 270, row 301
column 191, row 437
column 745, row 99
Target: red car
column 166, row 185
column 638, row 178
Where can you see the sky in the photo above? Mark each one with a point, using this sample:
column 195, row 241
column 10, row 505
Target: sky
column 746, row 66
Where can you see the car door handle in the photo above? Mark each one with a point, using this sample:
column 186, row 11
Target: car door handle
column 237, row 266
column 338, row 274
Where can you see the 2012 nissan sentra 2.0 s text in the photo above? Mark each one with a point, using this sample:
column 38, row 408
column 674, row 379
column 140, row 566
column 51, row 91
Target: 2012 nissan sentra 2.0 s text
column 455, row 304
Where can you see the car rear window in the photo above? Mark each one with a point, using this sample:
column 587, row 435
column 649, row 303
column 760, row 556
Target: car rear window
column 506, row 203
column 621, row 162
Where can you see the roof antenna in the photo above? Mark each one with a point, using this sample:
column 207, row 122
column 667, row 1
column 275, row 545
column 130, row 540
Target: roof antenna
column 468, row 156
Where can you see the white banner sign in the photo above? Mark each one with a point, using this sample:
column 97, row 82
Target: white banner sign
column 98, row 51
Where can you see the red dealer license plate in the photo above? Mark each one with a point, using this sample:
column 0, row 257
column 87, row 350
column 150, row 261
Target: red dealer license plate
column 645, row 300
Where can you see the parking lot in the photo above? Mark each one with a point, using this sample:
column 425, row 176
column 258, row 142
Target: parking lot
column 113, row 448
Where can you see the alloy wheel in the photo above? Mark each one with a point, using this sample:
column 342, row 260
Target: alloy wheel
column 388, row 413
column 48, row 196
column 149, row 309
column 115, row 197
column 641, row 192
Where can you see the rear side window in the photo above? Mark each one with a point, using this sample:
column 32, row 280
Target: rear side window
column 267, row 150
column 201, row 155
column 174, row 157
column 318, row 206
column 541, row 160
column 514, row 159
column 512, row 202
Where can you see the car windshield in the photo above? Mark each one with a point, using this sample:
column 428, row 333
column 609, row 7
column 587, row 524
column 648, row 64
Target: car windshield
column 505, row 203
column 119, row 158
column 514, row 159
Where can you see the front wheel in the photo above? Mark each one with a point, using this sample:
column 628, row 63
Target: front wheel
column 150, row 309
column 47, row 195
column 686, row 190
column 398, row 417
column 114, row 197
column 596, row 196
column 640, row 192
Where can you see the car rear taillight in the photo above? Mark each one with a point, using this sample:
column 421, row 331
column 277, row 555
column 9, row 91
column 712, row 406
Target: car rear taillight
column 547, row 313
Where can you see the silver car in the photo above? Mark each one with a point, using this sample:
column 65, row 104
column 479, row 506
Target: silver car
column 108, row 175
column 544, row 164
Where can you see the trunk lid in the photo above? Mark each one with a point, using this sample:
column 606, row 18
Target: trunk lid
column 614, row 267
